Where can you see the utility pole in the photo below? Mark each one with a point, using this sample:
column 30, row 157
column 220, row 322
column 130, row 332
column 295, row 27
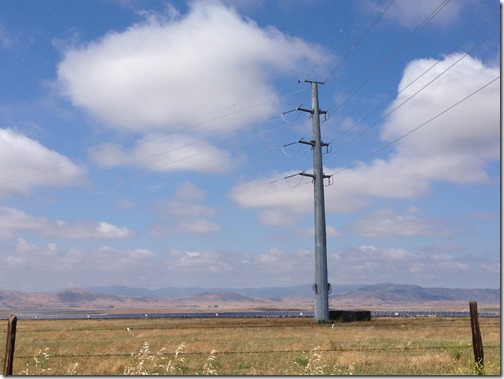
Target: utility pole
column 321, row 287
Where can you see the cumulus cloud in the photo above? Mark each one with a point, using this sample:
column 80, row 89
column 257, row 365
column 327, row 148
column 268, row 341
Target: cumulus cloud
column 275, row 267
column 410, row 13
column 454, row 147
column 25, row 164
column 72, row 267
column 160, row 73
column 163, row 154
column 205, row 261
column 6, row 39
column 395, row 264
column 185, row 213
column 14, row 221
column 331, row 232
column 387, row 222
column 25, row 266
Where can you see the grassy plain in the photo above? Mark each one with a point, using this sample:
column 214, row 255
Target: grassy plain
column 395, row 346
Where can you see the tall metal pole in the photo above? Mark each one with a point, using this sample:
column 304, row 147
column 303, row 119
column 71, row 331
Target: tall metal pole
column 321, row 286
column 321, row 282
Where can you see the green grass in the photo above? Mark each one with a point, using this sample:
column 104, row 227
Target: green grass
column 412, row 346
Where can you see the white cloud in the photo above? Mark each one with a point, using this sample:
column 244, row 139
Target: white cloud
column 454, row 147
column 25, row 263
column 184, row 227
column 331, row 232
column 235, row 269
column 400, row 265
column 163, row 153
column 387, row 222
column 278, row 217
column 72, row 267
column 184, row 213
column 160, row 73
column 14, row 221
column 25, row 164
column 411, row 13
column 204, row 261
column 6, row 39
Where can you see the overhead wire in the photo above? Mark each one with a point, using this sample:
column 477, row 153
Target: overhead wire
column 421, row 75
column 359, row 41
column 352, row 48
column 402, row 45
column 196, row 124
column 214, row 149
column 394, row 52
column 391, row 55
column 387, row 145
column 53, row 167
column 389, row 112
column 337, row 61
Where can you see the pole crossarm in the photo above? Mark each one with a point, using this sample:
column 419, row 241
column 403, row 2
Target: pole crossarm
column 310, row 175
column 311, row 143
column 313, row 81
column 310, row 110
column 305, row 174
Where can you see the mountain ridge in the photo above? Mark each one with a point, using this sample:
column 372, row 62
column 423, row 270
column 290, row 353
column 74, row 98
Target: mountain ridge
column 414, row 293
column 302, row 290
column 124, row 297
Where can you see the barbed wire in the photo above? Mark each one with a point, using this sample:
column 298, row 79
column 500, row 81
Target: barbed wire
column 443, row 323
column 337, row 349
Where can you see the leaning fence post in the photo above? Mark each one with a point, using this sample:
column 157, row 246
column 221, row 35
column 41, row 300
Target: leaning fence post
column 476, row 337
column 9, row 345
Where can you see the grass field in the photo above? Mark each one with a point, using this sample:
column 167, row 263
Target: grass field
column 398, row 346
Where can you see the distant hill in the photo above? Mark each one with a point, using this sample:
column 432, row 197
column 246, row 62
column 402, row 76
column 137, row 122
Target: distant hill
column 402, row 293
column 383, row 291
column 304, row 290
column 220, row 297
column 70, row 297
column 351, row 295
column 76, row 295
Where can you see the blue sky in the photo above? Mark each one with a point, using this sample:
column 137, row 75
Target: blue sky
column 150, row 143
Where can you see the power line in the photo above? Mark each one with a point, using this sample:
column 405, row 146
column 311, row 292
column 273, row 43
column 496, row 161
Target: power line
column 416, row 128
column 396, row 51
column 428, row 19
column 53, row 167
column 406, row 100
column 407, row 86
column 382, row 147
column 359, row 40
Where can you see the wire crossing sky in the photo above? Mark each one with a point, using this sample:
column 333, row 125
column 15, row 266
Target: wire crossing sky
column 155, row 143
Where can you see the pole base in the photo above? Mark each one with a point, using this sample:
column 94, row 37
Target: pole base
column 349, row 316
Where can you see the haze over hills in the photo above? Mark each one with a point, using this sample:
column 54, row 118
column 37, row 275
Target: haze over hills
column 121, row 297
column 411, row 293
column 264, row 292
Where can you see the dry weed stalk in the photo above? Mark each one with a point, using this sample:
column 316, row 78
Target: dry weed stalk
column 154, row 363
column 39, row 367
column 208, row 367
column 314, row 364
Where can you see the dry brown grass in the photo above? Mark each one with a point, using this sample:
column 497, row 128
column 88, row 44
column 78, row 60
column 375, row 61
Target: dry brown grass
column 412, row 346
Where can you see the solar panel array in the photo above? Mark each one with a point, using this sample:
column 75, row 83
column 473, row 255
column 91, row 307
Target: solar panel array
column 265, row 314
column 430, row 314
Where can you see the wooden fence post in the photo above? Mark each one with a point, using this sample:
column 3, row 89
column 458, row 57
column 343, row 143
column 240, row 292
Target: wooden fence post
column 476, row 337
column 9, row 345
